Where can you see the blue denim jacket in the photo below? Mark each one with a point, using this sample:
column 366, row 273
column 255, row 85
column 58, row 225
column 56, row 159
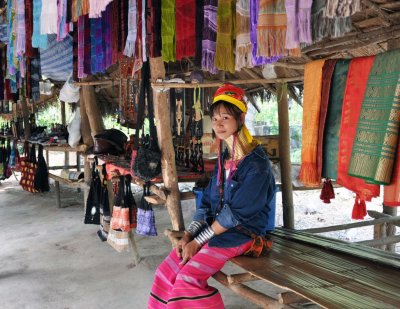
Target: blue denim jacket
column 249, row 201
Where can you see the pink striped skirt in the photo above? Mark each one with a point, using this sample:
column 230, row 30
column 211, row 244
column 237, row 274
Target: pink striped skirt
column 185, row 286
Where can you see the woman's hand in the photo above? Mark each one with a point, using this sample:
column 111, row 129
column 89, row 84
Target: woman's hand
column 189, row 250
column 182, row 243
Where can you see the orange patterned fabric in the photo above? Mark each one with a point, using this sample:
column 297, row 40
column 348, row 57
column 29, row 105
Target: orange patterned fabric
column 311, row 112
column 356, row 84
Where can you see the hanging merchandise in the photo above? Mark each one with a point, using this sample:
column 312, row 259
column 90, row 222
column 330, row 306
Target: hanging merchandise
column 132, row 29
column 146, row 224
column 92, row 211
column 375, row 143
column 336, row 8
column 244, row 55
column 147, row 163
column 209, row 36
column 129, row 99
column 120, row 219
column 42, row 173
column 105, row 214
column 69, row 93
column 74, row 128
column 311, row 113
column 168, row 30
column 130, row 202
column 185, row 19
column 28, row 169
column 224, row 56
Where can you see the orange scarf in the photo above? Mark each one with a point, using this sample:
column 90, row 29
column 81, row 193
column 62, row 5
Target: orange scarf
column 311, row 112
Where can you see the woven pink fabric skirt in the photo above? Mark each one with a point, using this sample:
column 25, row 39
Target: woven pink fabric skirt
column 185, row 286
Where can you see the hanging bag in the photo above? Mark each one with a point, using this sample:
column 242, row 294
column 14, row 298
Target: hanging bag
column 120, row 214
column 42, row 173
column 92, row 211
column 104, row 208
column 147, row 163
column 130, row 202
column 146, row 223
column 28, row 169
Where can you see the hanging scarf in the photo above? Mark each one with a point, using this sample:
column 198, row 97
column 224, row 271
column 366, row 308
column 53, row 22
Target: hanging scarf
column 124, row 5
column 10, row 47
column 244, row 56
column 327, row 72
column 333, row 117
column 68, row 17
column 75, row 52
column 85, row 7
column 29, row 50
column 96, row 46
column 327, row 27
column 304, row 21
column 107, row 40
column 115, row 29
column 78, row 9
column 199, row 28
column 338, row 8
column 144, row 10
column 48, row 17
column 357, row 79
column 87, row 61
column 132, row 29
column 224, row 57
column 185, row 20
column 81, row 46
column 38, row 40
column 391, row 193
column 292, row 31
column 311, row 111
column 153, row 26
column 63, row 27
column 209, row 36
column 20, row 28
column 375, row 143
column 168, row 30
column 2, row 71
column 138, row 62
column 35, row 78
column 28, row 84
column 96, row 7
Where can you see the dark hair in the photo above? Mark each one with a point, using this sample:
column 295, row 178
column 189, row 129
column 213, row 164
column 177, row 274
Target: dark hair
column 231, row 109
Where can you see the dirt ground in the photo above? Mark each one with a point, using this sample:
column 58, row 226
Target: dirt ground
column 50, row 259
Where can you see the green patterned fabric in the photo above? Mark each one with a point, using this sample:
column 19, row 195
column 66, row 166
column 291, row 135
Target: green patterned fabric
column 333, row 118
column 375, row 144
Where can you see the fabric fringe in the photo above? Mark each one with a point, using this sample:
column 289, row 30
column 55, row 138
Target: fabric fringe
column 186, row 47
column 274, row 41
column 208, row 60
column 308, row 175
column 359, row 209
column 244, row 56
column 327, row 192
column 224, row 57
column 304, row 26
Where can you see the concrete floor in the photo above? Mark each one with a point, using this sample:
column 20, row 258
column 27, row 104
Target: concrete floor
column 50, row 259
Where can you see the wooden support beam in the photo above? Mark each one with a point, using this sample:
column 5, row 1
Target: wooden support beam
column 380, row 242
column 240, row 278
column 390, row 228
column 287, row 298
column 284, row 160
column 156, row 200
column 92, row 110
column 377, row 215
column 85, row 126
column 25, row 116
column 379, row 233
column 386, row 19
column 289, row 65
column 393, row 220
column 164, row 135
column 135, row 252
column 377, row 20
column 250, row 294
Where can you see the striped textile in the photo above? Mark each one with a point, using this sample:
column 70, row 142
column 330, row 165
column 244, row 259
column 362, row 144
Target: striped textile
column 81, row 47
column 56, row 60
column 375, row 144
column 96, row 46
column 209, row 36
column 185, row 286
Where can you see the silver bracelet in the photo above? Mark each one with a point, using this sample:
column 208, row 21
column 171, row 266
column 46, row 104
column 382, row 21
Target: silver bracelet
column 205, row 236
column 195, row 227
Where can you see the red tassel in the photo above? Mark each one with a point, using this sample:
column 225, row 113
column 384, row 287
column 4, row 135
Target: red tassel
column 359, row 209
column 327, row 192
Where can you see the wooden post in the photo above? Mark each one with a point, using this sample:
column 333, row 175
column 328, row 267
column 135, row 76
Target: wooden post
column 284, row 157
column 164, row 134
column 86, row 175
column 390, row 228
column 85, row 126
column 58, row 195
column 25, row 115
column 64, row 122
column 380, row 232
column 92, row 110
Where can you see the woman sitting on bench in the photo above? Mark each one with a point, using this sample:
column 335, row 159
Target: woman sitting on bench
column 240, row 197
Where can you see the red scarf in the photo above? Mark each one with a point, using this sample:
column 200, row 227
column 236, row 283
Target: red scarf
column 185, row 17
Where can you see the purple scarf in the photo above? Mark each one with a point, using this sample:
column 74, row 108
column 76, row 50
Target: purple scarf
column 304, row 21
column 96, row 46
column 107, row 41
column 209, row 36
column 292, row 33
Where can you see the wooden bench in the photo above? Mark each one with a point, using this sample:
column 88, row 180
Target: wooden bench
column 328, row 272
column 58, row 179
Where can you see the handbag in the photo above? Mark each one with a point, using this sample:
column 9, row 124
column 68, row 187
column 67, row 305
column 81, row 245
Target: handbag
column 130, row 202
column 120, row 214
column 119, row 240
column 28, row 170
column 104, row 208
column 92, row 211
column 146, row 223
column 147, row 163
column 42, row 173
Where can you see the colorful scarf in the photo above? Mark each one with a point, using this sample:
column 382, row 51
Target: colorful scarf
column 209, row 36
column 327, row 72
column 29, row 50
column 292, row 31
column 81, row 46
column 311, row 110
column 153, row 25
column 199, row 29
column 244, row 52
column 115, row 30
column 96, row 7
column 357, row 79
column 20, row 28
column 107, row 40
column 304, row 21
column 48, row 17
column 340, row 8
column 224, row 56
column 271, row 28
column 323, row 27
column 87, row 62
column 124, row 5
column 12, row 70
column 391, row 193
column 36, row 76
column 38, row 40
column 138, row 62
column 85, row 7
column 168, row 30
column 77, row 12
column 144, row 53
column 96, row 46
column 333, row 117
column 185, row 20
column 375, row 143
column 132, row 29
column 63, row 27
